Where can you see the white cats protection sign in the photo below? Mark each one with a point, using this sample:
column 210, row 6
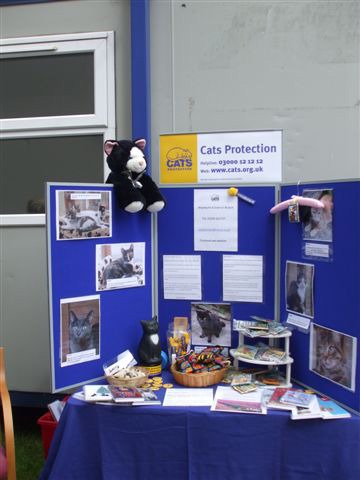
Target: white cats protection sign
column 240, row 157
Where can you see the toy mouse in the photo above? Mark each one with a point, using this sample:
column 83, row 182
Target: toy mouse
column 134, row 189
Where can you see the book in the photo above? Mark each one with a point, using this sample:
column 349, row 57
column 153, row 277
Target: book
column 270, row 354
column 245, row 388
column 97, row 393
column 247, row 351
column 227, row 400
column 254, row 325
column 312, row 411
column 149, row 396
column 241, row 379
column 270, row 378
column 331, row 410
column 125, row 394
column 296, row 397
column 56, row 408
column 261, row 319
column 274, row 400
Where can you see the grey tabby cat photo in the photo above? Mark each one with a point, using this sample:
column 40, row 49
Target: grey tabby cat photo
column 332, row 355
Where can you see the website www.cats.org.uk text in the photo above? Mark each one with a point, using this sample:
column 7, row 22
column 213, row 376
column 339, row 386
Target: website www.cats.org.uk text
column 234, row 170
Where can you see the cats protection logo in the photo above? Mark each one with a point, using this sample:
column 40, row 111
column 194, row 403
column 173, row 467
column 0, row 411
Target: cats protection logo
column 178, row 158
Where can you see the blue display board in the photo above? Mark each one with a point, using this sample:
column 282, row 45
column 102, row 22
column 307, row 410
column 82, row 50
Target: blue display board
column 256, row 236
column 336, row 295
column 73, row 275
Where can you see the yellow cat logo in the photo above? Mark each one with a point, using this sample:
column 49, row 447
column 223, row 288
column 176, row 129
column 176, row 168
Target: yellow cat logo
column 178, row 157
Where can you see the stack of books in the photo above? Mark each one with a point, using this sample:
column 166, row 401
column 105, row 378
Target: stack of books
column 258, row 327
column 304, row 405
column 264, row 354
column 300, row 404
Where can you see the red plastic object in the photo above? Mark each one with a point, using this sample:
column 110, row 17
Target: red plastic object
column 47, row 426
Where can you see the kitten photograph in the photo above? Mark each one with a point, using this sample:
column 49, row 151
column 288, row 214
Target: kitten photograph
column 317, row 223
column 299, row 288
column 82, row 215
column 333, row 355
column 211, row 324
column 80, row 329
column 120, row 265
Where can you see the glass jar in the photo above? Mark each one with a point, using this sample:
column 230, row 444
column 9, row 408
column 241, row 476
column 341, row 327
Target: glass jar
column 178, row 342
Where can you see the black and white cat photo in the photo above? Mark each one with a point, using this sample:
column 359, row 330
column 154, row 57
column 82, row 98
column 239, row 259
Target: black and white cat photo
column 299, row 291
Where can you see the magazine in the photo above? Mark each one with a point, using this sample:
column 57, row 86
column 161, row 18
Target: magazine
column 228, row 400
column 97, row 393
column 331, row 410
column 125, row 394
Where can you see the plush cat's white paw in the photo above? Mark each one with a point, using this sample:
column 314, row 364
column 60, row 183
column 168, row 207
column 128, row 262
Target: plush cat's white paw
column 134, row 207
column 156, row 206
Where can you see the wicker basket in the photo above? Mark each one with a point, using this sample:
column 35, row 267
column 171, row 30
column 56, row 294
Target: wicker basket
column 198, row 379
column 129, row 382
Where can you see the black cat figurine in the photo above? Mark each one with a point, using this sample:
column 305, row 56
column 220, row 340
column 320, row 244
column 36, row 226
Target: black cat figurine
column 210, row 325
column 149, row 350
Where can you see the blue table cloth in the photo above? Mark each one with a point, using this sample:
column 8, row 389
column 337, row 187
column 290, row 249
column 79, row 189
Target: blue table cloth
column 111, row 442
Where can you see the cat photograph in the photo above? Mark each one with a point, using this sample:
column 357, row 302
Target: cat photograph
column 82, row 214
column 211, row 324
column 149, row 349
column 299, row 288
column 80, row 319
column 333, row 355
column 317, row 222
column 120, row 265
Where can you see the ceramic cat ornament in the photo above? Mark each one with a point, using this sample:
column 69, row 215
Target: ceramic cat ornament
column 149, row 350
column 134, row 188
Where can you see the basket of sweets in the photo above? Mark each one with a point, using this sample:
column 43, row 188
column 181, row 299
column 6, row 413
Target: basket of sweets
column 200, row 369
column 129, row 377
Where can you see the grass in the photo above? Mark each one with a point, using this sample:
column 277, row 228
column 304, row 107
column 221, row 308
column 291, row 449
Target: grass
column 28, row 442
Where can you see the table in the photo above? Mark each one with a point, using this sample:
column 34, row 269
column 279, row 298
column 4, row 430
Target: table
column 103, row 442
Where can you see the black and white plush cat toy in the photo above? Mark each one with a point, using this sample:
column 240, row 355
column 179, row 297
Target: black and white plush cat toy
column 134, row 189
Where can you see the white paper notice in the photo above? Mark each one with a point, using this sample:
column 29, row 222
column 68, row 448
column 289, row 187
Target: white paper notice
column 215, row 220
column 317, row 250
column 243, row 278
column 188, row 397
column 182, row 277
column 301, row 322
